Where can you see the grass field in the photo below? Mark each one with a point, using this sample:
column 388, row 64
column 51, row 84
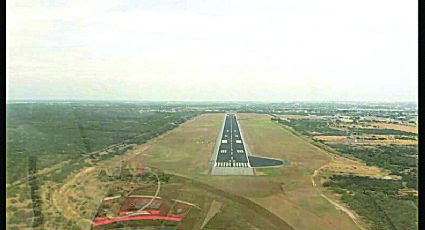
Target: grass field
column 383, row 125
column 187, row 149
column 294, row 200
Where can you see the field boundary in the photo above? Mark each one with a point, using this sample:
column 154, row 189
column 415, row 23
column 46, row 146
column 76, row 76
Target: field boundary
column 354, row 217
column 247, row 151
column 217, row 144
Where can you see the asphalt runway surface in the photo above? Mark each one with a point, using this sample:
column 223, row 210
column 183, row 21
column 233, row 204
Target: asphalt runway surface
column 231, row 152
column 259, row 162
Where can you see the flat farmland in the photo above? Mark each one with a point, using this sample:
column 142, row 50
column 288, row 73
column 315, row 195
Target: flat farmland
column 406, row 128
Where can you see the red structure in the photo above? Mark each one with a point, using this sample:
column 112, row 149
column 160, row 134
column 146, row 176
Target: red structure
column 131, row 208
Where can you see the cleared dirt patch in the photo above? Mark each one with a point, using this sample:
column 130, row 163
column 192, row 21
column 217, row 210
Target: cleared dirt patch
column 331, row 138
column 366, row 140
column 344, row 166
column 302, row 117
column 387, row 142
column 406, row 128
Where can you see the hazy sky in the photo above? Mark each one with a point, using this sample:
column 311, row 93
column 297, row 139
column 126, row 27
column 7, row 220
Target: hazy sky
column 212, row 50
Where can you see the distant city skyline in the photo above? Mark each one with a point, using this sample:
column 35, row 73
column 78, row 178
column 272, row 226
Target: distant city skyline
column 168, row 50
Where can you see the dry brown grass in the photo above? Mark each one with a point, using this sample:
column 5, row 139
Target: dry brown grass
column 362, row 140
column 406, row 128
column 331, row 138
column 387, row 142
column 344, row 166
column 69, row 209
column 85, row 190
column 302, row 117
column 187, row 149
column 380, row 125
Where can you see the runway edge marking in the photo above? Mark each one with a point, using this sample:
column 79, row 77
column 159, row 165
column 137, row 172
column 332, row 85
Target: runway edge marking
column 243, row 141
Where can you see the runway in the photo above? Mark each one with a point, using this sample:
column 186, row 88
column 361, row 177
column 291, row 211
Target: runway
column 231, row 151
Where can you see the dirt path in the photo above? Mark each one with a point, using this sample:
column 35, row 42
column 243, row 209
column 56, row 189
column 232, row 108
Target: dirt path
column 332, row 157
column 351, row 214
column 60, row 196
column 61, row 202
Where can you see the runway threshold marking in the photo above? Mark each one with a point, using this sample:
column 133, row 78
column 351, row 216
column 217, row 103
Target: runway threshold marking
column 233, row 132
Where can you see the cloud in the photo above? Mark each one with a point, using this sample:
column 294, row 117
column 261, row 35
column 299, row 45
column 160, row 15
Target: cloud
column 267, row 49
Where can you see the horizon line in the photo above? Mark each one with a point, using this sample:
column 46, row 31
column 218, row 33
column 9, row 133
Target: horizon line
column 216, row 101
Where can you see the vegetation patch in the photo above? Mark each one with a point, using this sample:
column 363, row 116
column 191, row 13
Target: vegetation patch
column 62, row 139
column 377, row 200
column 56, row 132
column 396, row 159
column 311, row 127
